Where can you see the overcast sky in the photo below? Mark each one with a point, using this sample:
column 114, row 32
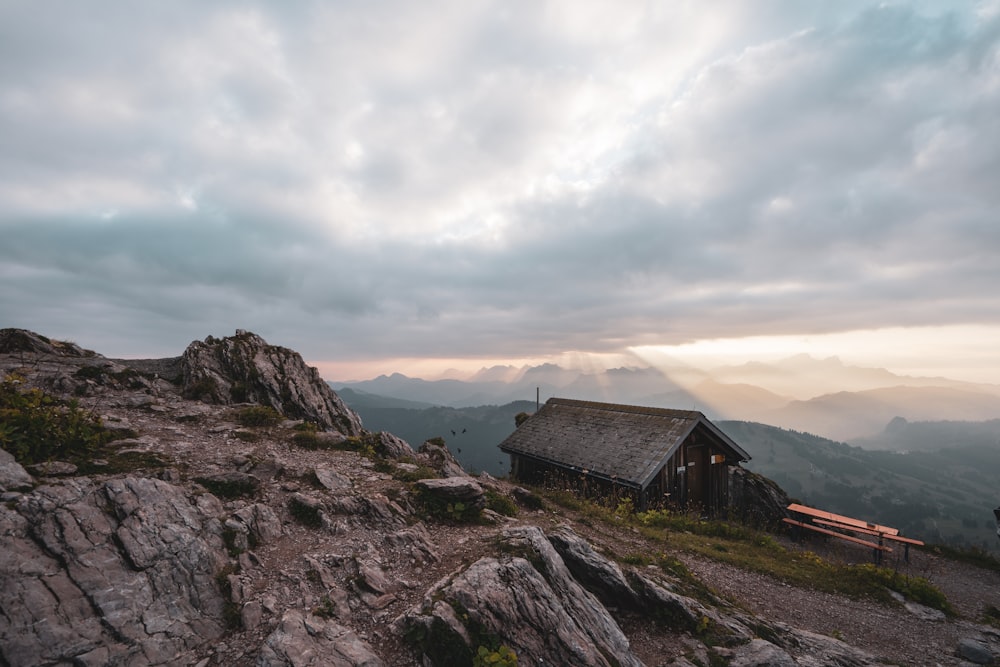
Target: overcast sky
column 374, row 183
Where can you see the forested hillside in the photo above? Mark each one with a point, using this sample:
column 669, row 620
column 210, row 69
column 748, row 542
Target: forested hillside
column 944, row 496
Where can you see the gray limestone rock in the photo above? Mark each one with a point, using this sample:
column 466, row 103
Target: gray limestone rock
column 414, row 544
column 53, row 469
column 975, row 651
column 331, row 479
column 13, row 476
column 261, row 522
column 441, row 459
column 760, row 653
column 391, row 446
column 455, row 489
column 304, row 640
column 597, row 574
column 115, row 573
column 245, row 368
column 539, row 611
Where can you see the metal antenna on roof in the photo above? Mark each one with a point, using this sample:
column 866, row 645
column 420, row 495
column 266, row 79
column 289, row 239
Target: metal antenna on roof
column 538, row 393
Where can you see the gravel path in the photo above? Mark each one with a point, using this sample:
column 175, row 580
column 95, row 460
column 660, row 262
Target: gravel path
column 888, row 631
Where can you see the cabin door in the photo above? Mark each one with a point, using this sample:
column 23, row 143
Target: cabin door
column 697, row 474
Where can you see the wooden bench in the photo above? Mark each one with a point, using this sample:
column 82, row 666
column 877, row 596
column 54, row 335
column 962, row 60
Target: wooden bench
column 842, row 520
column 878, row 549
column 846, row 523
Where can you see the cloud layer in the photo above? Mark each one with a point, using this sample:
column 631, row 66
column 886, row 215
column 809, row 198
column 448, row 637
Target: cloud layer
column 491, row 179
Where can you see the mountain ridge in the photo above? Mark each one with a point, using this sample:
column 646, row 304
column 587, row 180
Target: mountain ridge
column 837, row 413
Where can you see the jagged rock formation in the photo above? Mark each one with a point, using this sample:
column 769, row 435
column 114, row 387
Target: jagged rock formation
column 222, row 544
column 244, row 368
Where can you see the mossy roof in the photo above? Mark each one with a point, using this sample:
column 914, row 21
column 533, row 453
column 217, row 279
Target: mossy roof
column 625, row 443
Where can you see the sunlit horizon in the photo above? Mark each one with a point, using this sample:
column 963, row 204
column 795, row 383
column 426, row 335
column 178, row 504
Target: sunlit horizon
column 965, row 353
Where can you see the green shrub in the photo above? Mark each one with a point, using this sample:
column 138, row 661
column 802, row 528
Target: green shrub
column 504, row 656
column 37, row 427
column 452, row 512
column 918, row 589
column 326, row 609
column 500, row 504
column 259, row 415
column 206, row 387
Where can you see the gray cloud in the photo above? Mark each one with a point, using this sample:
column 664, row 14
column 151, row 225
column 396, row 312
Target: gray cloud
column 494, row 180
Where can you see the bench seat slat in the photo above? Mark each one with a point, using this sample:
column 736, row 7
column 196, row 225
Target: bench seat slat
column 839, row 518
column 856, row 540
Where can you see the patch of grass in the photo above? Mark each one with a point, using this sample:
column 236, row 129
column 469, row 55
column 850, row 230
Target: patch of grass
column 500, row 503
column 37, row 427
column 530, row 501
column 326, row 609
column 755, row 550
column 502, row 656
column 566, row 499
column 206, row 387
column 259, row 415
column 637, row 560
column 440, row 509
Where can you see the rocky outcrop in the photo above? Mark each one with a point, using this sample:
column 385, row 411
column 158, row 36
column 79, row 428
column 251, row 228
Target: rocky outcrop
column 453, row 490
column 13, row 341
column 122, row 572
column 540, row 612
column 439, row 457
column 549, row 600
column 244, row 368
column 756, row 500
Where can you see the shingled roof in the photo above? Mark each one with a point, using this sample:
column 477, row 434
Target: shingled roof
column 625, row 443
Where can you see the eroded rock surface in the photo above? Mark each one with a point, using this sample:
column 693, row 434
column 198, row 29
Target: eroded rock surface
column 304, row 640
column 120, row 572
column 546, row 618
column 244, row 368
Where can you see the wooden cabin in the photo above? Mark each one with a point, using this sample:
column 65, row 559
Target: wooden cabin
column 659, row 457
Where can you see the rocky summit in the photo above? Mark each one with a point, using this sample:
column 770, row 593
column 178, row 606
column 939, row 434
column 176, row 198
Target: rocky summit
column 225, row 507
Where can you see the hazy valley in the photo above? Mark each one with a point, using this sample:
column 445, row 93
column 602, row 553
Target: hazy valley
column 913, row 452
